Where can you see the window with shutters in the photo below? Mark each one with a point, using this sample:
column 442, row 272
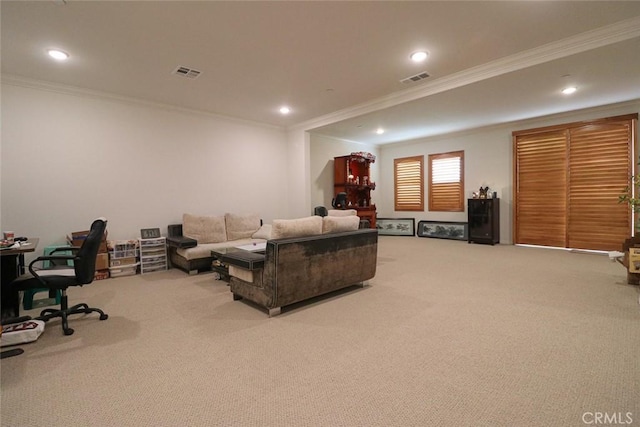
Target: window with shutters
column 567, row 182
column 408, row 175
column 446, row 182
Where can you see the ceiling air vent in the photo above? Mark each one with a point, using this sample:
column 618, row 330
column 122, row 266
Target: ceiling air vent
column 187, row 72
column 420, row 76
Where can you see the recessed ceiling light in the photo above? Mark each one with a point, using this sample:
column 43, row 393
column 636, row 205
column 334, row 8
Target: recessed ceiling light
column 379, row 131
column 58, row 54
column 569, row 90
column 419, row 56
column 285, row 110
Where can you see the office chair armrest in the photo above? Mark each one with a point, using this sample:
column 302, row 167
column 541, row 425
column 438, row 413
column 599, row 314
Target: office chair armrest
column 53, row 259
column 73, row 249
column 65, row 249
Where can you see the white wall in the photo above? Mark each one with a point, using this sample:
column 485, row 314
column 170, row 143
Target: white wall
column 322, row 151
column 298, row 174
column 487, row 162
column 488, row 156
column 69, row 158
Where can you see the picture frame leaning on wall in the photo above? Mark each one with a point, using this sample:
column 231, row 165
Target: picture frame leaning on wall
column 396, row 226
column 443, row 230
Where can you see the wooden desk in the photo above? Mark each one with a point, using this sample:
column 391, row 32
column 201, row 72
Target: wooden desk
column 12, row 266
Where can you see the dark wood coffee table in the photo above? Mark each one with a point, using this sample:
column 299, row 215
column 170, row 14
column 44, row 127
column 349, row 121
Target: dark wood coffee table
column 249, row 260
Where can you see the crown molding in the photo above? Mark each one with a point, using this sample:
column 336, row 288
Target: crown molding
column 618, row 108
column 593, row 39
column 20, row 81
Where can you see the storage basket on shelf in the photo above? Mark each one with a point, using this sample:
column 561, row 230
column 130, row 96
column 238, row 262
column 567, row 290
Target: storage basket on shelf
column 123, row 257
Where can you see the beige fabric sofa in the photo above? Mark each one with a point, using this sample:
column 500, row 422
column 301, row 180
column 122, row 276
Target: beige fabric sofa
column 191, row 242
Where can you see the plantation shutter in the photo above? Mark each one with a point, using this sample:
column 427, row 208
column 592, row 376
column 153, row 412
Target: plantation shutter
column 446, row 183
column 541, row 201
column 599, row 169
column 409, row 184
column 567, row 182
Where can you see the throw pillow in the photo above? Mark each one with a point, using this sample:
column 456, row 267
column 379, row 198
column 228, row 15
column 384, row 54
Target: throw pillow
column 263, row 233
column 241, row 226
column 204, row 229
column 341, row 212
column 336, row 224
column 300, row 227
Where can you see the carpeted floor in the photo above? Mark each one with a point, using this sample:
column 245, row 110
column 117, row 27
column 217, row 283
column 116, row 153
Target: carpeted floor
column 446, row 334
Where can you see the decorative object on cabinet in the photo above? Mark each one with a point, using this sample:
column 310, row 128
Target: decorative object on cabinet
column 484, row 220
column 352, row 185
column 396, row 226
column 153, row 254
column 340, row 201
column 483, row 192
column 443, row 230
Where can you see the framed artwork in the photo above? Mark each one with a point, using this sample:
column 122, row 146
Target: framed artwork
column 150, row 233
column 443, row 230
column 396, row 226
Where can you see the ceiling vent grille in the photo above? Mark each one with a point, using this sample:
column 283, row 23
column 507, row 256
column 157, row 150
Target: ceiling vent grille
column 187, row 72
column 412, row 79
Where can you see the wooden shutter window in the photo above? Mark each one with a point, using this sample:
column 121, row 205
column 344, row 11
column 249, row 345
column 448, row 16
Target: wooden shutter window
column 409, row 183
column 446, row 182
column 599, row 169
column 567, row 180
column 541, row 200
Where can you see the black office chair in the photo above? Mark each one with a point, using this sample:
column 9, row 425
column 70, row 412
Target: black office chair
column 61, row 277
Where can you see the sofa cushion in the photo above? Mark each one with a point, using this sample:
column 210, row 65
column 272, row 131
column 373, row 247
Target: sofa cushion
column 205, row 229
column 341, row 212
column 263, row 233
column 299, row 227
column 204, row 250
column 335, row 224
column 241, row 226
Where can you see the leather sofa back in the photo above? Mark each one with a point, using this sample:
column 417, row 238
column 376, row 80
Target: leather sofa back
column 300, row 268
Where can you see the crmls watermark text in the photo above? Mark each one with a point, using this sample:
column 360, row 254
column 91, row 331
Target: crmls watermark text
column 607, row 418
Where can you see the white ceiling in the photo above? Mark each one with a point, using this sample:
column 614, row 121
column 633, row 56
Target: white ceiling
column 338, row 65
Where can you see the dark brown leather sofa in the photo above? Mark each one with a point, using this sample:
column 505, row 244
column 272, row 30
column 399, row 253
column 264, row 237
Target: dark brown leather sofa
column 296, row 269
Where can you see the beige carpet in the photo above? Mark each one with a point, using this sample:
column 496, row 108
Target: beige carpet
column 447, row 334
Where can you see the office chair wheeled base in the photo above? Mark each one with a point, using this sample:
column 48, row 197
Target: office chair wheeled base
column 64, row 312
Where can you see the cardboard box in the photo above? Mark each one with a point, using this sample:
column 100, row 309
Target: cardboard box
column 102, row 261
column 634, row 260
column 77, row 238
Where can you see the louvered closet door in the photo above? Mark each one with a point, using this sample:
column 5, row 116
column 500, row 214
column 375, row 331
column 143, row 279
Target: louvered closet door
column 599, row 165
column 541, row 199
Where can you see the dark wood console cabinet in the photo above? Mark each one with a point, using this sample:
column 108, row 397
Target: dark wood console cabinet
column 352, row 176
column 484, row 220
